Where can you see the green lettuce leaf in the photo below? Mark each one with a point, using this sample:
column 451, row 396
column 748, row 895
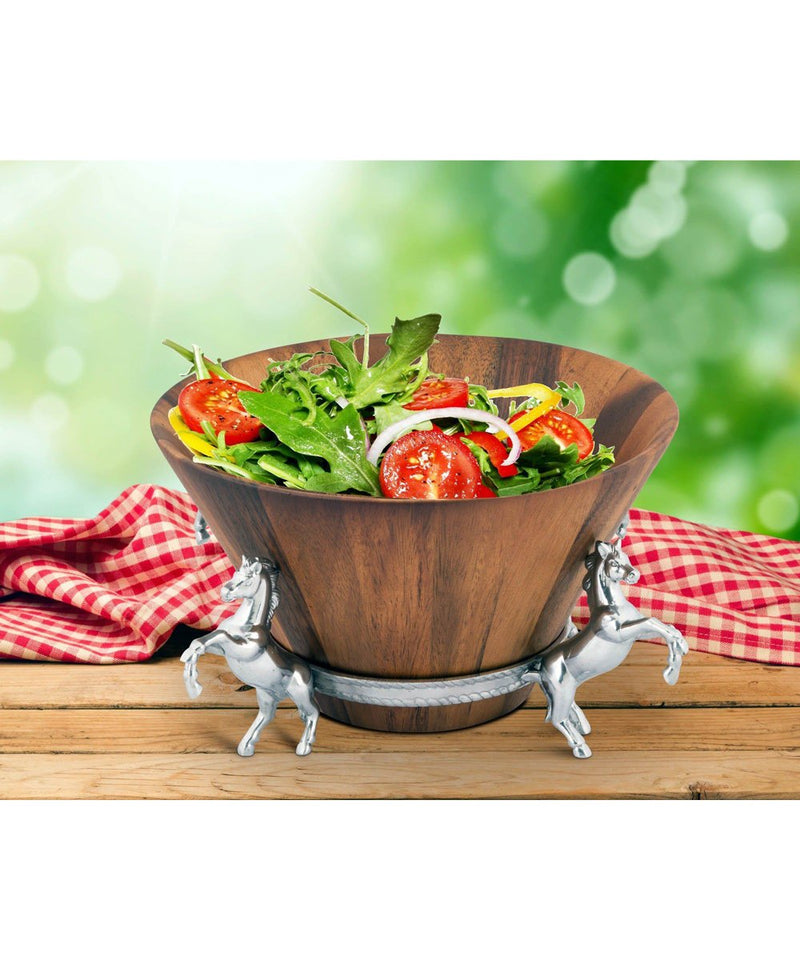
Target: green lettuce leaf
column 339, row 439
column 546, row 466
column 408, row 341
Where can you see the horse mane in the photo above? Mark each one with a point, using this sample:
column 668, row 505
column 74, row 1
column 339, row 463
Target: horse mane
column 591, row 562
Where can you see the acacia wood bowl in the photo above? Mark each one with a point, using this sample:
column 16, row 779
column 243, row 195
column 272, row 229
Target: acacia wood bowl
column 420, row 589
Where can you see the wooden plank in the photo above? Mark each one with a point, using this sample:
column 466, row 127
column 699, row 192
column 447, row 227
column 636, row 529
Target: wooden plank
column 705, row 680
column 480, row 775
column 219, row 730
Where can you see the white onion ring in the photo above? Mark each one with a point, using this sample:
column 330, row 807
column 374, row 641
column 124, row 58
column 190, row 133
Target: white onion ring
column 391, row 433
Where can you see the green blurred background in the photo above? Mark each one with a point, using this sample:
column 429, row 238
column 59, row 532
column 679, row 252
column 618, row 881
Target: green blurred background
column 688, row 271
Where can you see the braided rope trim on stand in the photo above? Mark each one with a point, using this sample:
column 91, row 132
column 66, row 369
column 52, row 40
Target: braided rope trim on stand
column 424, row 693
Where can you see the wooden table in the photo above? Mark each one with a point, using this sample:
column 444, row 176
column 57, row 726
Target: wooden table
column 729, row 729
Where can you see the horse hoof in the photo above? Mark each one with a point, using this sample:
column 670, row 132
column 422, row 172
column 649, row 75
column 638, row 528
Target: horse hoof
column 246, row 749
column 582, row 751
column 303, row 749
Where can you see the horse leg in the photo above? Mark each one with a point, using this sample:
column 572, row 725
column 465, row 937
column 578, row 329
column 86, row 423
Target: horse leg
column 578, row 719
column 301, row 692
column 580, row 748
column 190, row 655
column 559, row 689
column 678, row 648
column 676, row 642
column 266, row 711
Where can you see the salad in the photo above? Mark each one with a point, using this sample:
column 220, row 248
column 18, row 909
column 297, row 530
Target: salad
column 336, row 423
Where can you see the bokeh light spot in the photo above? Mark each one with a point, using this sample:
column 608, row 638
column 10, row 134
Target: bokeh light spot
column 475, row 267
column 63, row 365
column 778, row 510
column 627, row 239
column 666, row 213
column 667, row 176
column 649, row 218
column 716, row 426
column 589, row 278
column 706, row 247
column 768, row 230
column 19, row 283
column 49, row 413
column 93, row 273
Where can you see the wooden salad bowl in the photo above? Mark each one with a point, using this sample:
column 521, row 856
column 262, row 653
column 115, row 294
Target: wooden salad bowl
column 421, row 589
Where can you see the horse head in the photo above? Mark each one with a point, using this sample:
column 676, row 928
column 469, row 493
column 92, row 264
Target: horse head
column 616, row 567
column 244, row 583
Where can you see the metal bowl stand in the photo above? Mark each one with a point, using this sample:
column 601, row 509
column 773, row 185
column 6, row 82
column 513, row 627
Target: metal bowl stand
column 573, row 657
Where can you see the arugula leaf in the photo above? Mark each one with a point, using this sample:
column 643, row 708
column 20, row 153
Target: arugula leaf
column 346, row 355
column 479, row 398
column 480, row 455
column 545, row 466
column 387, row 414
column 339, row 439
column 408, row 341
column 571, row 394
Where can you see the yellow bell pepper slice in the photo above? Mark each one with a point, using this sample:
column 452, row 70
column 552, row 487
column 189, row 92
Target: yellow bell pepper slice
column 188, row 438
column 547, row 400
column 539, row 390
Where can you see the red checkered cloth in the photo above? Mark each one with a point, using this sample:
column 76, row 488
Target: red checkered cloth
column 112, row 589
column 728, row 591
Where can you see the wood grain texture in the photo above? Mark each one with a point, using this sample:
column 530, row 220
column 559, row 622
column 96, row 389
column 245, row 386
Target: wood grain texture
column 218, row 731
column 705, row 680
column 421, row 589
column 656, row 774
column 72, row 731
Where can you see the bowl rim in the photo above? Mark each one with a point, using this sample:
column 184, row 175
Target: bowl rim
column 279, row 490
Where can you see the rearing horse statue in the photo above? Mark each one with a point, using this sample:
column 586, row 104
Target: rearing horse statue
column 254, row 657
column 614, row 626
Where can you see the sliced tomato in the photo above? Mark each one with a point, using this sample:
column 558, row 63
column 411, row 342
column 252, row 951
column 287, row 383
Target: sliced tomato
column 485, row 492
column 497, row 451
column 563, row 427
column 433, row 394
column 218, row 402
column 429, row 465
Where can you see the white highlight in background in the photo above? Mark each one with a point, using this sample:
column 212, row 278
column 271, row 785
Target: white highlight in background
column 63, row 365
column 589, row 278
column 19, row 283
column 667, row 176
column 768, row 230
column 93, row 273
column 778, row 510
column 49, row 413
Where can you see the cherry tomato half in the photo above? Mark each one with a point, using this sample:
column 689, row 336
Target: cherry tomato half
column 433, row 394
column 497, row 451
column 430, row 465
column 563, row 427
column 218, row 402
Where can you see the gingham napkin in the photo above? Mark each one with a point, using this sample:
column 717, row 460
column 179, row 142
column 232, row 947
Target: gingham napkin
column 111, row 589
column 728, row 591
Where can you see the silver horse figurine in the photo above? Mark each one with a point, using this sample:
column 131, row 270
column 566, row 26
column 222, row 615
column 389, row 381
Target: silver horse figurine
column 614, row 626
column 254, row 657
